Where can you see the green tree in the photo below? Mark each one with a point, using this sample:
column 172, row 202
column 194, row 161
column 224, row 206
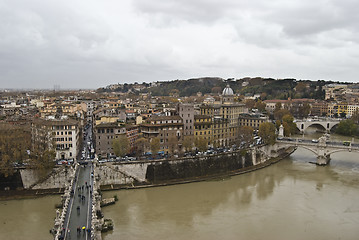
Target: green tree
column 201, row 144
column 216, row 90
column 141, row 144
column 278, row 106
column 278, row 115
column 187, row 143
column 14, row 141
column 355, row 116
column 261, row 106
column 304, row 110
column 288, row 124
column 155, row 145
column 245, row 134
column 172, row 144
column 250, row 103
column 267, row 133
column 121, row 146
column 301, row 87
column 6, row 166
column 347, row 128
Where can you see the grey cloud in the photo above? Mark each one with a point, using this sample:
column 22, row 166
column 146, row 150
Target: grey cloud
column 93, row 43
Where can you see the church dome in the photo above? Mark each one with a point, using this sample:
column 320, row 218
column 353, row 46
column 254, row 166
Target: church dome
column 227, row 91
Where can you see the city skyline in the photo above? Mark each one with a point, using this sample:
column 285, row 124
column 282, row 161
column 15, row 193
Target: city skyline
column 87, row 45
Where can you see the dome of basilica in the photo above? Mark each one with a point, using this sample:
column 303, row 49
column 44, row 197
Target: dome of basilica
column 227, row 91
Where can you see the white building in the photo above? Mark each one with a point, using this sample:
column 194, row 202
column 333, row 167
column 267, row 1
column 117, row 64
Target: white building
column 63, row 135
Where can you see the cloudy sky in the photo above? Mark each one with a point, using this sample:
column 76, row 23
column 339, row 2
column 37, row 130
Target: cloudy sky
column 93, row 43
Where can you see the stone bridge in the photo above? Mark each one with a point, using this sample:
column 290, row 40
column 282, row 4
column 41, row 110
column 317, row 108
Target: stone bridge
column 321, row 148
column 326, row 124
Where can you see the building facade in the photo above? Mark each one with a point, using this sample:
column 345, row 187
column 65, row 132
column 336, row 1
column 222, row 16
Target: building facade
column 62, row 135
column 168, row 129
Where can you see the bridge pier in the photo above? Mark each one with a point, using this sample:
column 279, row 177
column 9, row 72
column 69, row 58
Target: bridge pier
column 323, row 160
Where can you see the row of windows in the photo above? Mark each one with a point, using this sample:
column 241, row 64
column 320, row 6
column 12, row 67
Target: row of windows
column 204, row 133
column 189, row 115
column 64, row 133
column 108, row 130
column 202, row 127
column 62, row 127
column 63, row 146
column 165, row 121
column 63, row 139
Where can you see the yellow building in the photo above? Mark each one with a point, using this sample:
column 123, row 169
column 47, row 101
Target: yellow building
column 341, row 108
column 225, row 118
column 203, row 127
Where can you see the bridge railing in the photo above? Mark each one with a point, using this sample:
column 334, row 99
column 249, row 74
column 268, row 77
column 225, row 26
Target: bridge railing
column 338, row 145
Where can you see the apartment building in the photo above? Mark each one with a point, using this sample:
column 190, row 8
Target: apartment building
column 63, row 135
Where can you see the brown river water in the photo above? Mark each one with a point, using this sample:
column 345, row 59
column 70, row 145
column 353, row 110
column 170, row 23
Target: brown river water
column 292, row 199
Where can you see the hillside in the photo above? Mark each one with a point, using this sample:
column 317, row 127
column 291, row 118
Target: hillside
column 267, row 88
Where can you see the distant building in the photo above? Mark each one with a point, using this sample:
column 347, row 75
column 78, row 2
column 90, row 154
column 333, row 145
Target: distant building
column 109, row 115
column 203, row 127
column 104, row 134
column 252, row 120
column 186, row 112
column 63, row 135
column 224, row 118
column 333, row 91
column 319, row 108
column 169, row 130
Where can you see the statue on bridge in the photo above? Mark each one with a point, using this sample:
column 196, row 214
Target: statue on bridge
column 322, row 140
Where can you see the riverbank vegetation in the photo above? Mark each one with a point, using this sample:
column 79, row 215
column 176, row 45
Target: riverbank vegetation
column 349, row 127
column 17, row 149
column 14, row 145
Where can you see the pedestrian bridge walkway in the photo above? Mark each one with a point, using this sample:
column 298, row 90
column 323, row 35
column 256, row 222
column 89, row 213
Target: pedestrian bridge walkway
column 81, row 201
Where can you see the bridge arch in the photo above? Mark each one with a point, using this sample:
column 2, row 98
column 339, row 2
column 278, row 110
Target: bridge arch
column 343, row 150
column 326, row 126
column 308, row 148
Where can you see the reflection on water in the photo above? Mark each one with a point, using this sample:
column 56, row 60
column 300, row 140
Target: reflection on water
column 290, row 200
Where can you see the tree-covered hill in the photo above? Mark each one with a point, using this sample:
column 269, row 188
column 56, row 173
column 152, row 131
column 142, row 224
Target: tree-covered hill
column 267, row 88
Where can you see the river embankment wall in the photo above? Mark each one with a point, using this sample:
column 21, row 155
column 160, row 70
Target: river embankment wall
column 138, row 174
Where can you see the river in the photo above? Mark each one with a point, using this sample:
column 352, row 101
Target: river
column 292, row 199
